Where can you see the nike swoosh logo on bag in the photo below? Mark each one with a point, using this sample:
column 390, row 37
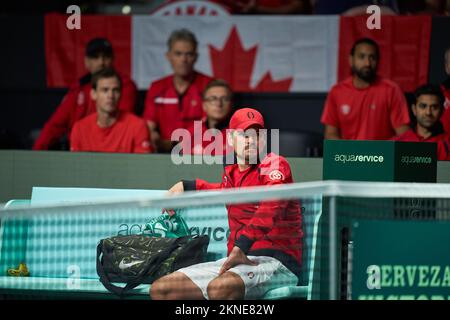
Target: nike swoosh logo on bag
column 123, row 266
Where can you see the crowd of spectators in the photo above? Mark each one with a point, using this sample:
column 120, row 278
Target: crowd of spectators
column 98, row 113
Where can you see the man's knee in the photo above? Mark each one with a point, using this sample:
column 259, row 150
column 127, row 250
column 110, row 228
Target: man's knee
column 226, row 287
column 175, row 286
column 160, row 289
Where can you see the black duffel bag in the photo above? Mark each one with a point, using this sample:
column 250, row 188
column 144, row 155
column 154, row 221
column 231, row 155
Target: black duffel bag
column 137, row 259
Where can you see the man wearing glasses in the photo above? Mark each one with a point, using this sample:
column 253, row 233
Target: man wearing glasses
column 208, row 136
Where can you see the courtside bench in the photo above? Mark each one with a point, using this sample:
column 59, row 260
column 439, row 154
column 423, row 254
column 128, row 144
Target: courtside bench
column 62, row 268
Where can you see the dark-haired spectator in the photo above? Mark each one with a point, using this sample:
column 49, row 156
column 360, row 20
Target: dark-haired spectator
column 175, row 101
column 365, row 106
column 109, row 129
column 427, row 110
column 77, row 103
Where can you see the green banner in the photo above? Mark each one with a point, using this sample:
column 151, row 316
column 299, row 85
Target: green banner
column 400, row 260
column 379, row 161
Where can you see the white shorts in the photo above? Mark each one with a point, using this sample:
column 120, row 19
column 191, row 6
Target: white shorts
column 268, row 274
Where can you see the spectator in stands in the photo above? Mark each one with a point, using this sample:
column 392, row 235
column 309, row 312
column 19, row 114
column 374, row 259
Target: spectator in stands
column 445, row 86
column 109, row 129
column 217, row 104
column 427, row 110
column 365, row 106
column 77, row 103
column 175, row 101
column 265, row 241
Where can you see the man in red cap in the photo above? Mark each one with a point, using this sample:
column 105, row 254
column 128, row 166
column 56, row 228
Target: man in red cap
column 265, row 241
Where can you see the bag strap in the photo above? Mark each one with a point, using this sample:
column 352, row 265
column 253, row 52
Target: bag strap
column 151, row 266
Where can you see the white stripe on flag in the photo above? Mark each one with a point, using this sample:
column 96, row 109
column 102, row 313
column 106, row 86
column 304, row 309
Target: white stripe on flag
column 302, row 48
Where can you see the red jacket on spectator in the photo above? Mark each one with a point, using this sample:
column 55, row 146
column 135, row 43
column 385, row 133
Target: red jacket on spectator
column 412, row 136
column 371, row 113
column 445, row 119
column 128, row 134
column 201, row 143
column 272, row 227
column 169, row 110
column 77, row 104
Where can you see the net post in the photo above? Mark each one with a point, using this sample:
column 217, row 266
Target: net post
column 332, row 249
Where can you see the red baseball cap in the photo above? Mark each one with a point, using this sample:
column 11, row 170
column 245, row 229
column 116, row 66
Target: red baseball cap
column 246, row 117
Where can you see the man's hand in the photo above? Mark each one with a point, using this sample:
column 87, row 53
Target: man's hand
column 176, row 189
column 236, row 257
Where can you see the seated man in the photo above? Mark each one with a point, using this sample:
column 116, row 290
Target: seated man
column 109, row 129
column 365, row 106
column 427, row 110
column 77, row 103
column 208, row 136
column 265, row 241
column 175, row 101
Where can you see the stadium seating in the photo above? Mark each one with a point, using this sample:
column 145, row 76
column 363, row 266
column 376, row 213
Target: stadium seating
column 51, row 279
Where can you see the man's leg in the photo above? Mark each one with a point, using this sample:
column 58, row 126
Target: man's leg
column 175, row 286
column 228, row 286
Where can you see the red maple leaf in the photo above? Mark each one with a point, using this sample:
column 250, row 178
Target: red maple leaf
column 235, row 65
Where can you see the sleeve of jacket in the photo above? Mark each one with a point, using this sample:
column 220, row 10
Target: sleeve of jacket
column 329, row 114
column 129, row 94
column 278, row 172
column 58, row 124
column 199, row 184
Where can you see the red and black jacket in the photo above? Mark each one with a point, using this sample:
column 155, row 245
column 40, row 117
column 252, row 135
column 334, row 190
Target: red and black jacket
column 270, row 228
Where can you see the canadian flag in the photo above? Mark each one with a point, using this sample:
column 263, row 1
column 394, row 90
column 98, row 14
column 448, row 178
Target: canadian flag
column 253, row 53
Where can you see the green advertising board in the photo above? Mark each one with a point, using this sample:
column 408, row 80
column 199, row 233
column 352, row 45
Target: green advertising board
column 400, row 260
column 379, row 161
